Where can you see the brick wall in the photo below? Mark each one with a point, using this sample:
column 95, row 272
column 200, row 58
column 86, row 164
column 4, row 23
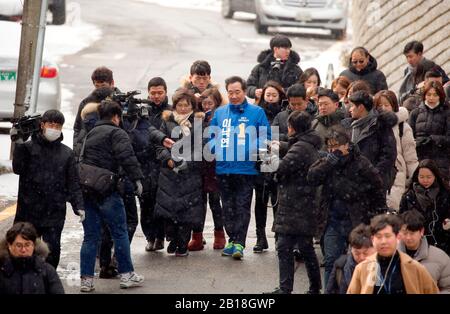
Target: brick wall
column 385, row 26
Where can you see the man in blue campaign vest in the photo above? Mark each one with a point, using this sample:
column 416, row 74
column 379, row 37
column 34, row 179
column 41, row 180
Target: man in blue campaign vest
column 237, row 131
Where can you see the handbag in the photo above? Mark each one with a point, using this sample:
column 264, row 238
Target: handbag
column 95, row 179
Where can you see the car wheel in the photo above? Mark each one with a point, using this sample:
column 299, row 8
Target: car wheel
column 260, row 29
column 59, row 12
column 227, row 11
column 339, row 34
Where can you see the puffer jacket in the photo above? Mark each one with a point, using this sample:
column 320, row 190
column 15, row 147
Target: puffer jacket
column 297, row 211
column 179, row 195
column 406, row 162
column 28, row 276
column 436, row 261
column 375, row 78
column 434, row 124
column 263, row 72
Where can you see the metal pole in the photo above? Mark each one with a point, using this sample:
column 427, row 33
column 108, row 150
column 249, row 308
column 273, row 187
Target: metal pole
column 27, row 55
column 38, row 59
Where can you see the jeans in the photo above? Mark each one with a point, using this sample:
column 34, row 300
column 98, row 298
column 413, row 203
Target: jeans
column 263, row 190
column 216, row 210
column 52, row 236
column 286, row 262
column 236, row 192
column 112, row 211
column 335, row 242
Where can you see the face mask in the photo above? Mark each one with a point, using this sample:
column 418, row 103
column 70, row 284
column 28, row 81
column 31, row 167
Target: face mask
column 52, row 134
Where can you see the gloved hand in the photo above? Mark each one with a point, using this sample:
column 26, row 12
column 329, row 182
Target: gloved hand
column 423, row 140
column 180, row 165
column 16, row 135
column 82, row 215
column 270, row 164
column 139, row 188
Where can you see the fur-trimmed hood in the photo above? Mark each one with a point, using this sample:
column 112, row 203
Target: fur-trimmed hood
column 167, row 115
column 387, row 119
column 402, row 114
column 265, row 57
column 89, row 108
column 40, row 249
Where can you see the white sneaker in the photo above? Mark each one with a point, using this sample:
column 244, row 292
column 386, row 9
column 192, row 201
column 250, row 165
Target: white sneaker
column 131, row 279
column 87, row 284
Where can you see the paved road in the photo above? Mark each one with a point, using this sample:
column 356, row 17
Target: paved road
column 141, row 41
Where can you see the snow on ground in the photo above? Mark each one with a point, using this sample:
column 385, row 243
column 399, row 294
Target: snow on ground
column 9, row 186
column 60, row 40
column 210, row 5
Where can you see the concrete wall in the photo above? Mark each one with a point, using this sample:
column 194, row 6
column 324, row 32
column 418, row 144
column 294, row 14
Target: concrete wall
column 385, row 26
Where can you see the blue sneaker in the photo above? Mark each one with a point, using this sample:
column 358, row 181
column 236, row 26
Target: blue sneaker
column 238, row 251
column 228, row 250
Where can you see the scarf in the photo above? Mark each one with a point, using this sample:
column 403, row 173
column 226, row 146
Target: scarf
column 426, row 197
column 183, row 122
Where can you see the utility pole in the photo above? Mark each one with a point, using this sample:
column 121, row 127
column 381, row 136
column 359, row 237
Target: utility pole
column 27, row 57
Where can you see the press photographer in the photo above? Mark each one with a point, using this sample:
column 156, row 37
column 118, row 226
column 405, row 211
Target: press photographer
column 48, row 177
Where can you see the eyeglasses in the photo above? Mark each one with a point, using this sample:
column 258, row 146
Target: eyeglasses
column 358, row 61
column 26, row 245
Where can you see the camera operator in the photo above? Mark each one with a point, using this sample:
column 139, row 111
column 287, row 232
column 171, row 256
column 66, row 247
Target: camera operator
column 279, row 63
column 109, row 147
column 101, row 77
column 48, row 177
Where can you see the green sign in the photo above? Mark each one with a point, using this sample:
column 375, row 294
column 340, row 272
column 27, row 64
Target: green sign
column 8, row 76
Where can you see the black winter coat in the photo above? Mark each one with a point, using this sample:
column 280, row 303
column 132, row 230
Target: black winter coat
column 179, row 195
column 281, row 121
column 78, row 124
column 287, row 76
column 48, row 179
column 353, row 180
column 378, row 144
column 323, row 124
column 437, row 212
column 109, row 147
column 28, row 276
column 341, row 275
column 435, row 125
column 375, row 78
column 296, row 213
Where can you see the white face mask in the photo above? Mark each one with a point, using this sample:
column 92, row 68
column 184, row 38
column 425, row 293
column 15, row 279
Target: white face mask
column 52, row 134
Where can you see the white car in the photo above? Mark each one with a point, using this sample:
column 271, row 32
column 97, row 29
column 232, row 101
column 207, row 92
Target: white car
column 12, row 10
column 324, row 14
column 49, row 96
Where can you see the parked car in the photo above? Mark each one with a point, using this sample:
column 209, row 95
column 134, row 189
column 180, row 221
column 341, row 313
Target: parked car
column 49, row 96
column 12, row 10
column 324, row 14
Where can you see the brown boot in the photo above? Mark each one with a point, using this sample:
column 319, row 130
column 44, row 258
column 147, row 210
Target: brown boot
column 196, row 244
column 219, row 239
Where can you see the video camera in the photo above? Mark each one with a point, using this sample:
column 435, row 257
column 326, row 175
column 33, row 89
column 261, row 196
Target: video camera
column 28, row 125
column 276, row 64
column 132, row 107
